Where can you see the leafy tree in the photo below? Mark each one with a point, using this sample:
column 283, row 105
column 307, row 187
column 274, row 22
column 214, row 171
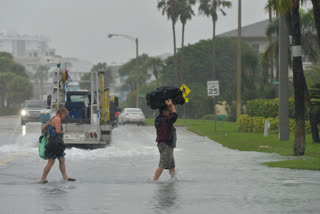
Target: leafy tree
column 85, row 83
column 156, row 64
column 11, row 71
column 5, row 78
column 19, row 89
column 198, row 69
column 85, row 79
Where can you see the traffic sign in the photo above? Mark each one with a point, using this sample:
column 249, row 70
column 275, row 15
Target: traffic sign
column 185, row 90
column 213, row 88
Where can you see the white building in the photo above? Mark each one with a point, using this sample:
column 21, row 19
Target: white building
column 23, row 45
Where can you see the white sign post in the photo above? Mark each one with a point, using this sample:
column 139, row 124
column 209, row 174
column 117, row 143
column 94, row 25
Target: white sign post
column 213, row 91
column 213, row 88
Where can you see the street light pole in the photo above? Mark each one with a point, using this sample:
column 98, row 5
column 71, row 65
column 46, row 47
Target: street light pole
column 138, row 73
column 239, row 62
column 137, row 62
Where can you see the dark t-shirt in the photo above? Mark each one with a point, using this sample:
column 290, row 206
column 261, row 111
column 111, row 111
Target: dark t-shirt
column 165, row 128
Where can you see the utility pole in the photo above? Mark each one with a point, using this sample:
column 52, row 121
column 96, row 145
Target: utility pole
column 138, row 73
column 283, row 87
column 239, row 62
column 137, row 62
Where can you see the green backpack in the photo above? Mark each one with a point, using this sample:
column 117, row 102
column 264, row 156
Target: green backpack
column 42, row 146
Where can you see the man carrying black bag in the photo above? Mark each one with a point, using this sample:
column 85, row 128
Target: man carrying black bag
column 166, row 138
column 55, row 146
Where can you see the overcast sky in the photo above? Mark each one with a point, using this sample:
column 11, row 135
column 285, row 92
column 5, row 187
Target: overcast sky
column 79, row 28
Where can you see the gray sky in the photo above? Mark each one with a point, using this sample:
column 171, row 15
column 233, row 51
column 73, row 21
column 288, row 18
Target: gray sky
column 79, row 28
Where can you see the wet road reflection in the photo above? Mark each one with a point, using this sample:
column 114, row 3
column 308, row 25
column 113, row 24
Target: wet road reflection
column 165, row 197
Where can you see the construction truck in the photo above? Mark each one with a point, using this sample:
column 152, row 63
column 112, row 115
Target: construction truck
column 88, row 122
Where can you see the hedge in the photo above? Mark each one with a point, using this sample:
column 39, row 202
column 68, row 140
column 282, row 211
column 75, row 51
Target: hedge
column 268, row 108
column 245, row 123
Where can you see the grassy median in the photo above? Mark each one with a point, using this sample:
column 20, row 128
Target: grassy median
column 241, row 141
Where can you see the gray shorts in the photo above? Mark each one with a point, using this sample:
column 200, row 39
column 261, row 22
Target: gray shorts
column 166, row 156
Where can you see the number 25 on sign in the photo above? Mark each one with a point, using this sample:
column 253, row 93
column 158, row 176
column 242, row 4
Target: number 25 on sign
column 213, row 88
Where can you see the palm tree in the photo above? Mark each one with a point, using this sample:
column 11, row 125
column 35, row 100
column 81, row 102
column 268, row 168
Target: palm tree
column 102, row 67
column 40, row 75
column 186, row 13
column 210, row 8
column 298, row 82
column 290, row 9
column 171, row 9
column 314, row 83
column 308, row 43
column 316, row 12
column 156, row 64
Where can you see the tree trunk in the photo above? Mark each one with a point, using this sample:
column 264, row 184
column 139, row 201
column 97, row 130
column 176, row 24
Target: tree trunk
column 298, row 82
column 270, row 42
column 1, row 100
column 41, row 88
column 174, row 41
column 182, row 47
column 214, row 74
column 316, row 13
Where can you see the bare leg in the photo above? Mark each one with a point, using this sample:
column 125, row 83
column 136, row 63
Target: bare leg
column 172, row 172
column 47, row 169
column 157, row 174
column 62, row 167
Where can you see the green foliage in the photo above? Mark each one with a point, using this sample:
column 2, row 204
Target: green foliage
column 210, row 8
column 102, row 67
column 85, row 83
column 85, row 79
column 9, row 111
column 197, row 70
column 15, row 86
column 207, row 117
column 268, row 108
column 245, row 123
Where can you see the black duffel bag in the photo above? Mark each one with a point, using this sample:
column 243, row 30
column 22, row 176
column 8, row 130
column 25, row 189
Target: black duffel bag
column 55, row 146
column 156, row 98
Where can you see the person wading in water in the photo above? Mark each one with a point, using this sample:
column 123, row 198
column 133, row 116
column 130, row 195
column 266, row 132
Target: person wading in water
column 54, row 130
column 166, row 138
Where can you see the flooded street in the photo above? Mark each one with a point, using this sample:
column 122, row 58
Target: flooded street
column 118, row 179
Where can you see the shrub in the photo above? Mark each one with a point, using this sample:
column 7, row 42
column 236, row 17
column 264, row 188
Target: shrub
column 9, row 111
column 268, row 108
column 245, row 123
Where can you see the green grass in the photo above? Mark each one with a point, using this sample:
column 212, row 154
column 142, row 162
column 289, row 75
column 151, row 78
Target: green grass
column 241, row 141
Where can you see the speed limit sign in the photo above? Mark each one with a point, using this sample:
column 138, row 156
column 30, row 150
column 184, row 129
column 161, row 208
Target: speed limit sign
column 213, row 88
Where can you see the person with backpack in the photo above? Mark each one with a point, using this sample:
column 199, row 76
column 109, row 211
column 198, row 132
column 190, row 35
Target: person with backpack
column 55, row 146
column 166, row 138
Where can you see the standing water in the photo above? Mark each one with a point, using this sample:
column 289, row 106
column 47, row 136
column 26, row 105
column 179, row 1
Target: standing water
column 118, row 179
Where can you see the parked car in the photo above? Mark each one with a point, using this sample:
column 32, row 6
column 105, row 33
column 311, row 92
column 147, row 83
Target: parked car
column 131, row 115
column 31, row 111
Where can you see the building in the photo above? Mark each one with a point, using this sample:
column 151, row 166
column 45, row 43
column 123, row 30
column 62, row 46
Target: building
column 255, row 35
column 24, row 45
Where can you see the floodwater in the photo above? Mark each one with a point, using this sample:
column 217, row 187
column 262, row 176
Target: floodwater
column 118, row 179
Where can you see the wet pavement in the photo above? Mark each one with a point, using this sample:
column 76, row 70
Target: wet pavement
column 118, row 179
